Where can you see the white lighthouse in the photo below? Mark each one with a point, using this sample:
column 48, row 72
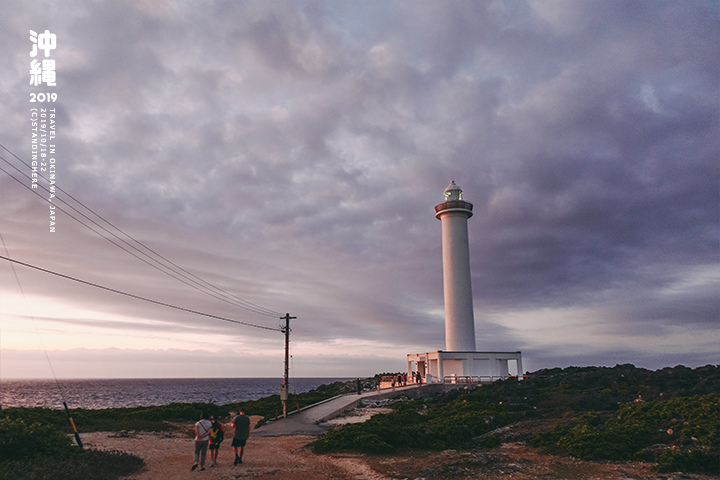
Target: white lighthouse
column 454, row 213
column 460, row 362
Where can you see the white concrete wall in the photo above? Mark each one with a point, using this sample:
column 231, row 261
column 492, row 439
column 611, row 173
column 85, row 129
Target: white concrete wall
column 501, row 368
column 487, row 365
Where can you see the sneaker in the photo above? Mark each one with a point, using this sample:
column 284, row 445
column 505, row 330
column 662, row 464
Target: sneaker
column 202, row 468
column 194, row 467
column 237, row 459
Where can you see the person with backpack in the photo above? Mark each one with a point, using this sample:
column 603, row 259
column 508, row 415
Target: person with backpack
column 217, row 435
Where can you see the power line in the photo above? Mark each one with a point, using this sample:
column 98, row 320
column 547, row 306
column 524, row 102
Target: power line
column 138, row 297
column 57, row 383
column 211, row 293
column 188, row 278
column 245, row 304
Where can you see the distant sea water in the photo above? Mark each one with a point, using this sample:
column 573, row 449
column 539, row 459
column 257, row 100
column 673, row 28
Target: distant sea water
column 114, row 393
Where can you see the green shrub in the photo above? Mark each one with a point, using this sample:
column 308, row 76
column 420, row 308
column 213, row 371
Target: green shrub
column 341, row 439
column 601, row 442
column 18, row 440
column 371, row 443
column 698, row 461
column 671, row 425
column 42, row 452
column 91, row 464
column 395, row 430
column 550, row 437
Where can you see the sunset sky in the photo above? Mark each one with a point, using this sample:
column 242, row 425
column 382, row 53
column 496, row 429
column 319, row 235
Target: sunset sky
column 292, row 152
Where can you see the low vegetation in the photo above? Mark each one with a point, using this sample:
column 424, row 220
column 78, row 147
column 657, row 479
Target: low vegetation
column 669, row 417
column 680, row 434
column 35, row 451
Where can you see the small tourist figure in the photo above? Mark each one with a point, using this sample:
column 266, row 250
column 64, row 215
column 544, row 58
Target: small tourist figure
column 217, row 435
column 241, row 424
column 202, row 437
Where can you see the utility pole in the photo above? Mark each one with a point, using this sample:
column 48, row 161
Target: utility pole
column 285, row 386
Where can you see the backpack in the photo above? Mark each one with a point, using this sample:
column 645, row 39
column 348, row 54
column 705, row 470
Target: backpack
column 217, row 435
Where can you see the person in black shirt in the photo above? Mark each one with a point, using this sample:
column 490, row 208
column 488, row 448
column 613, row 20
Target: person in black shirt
column 241, row 424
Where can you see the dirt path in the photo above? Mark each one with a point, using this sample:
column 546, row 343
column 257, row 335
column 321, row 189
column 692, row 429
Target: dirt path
column 170, row 456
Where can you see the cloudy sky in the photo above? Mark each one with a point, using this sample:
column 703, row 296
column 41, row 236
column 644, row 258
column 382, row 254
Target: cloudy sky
column 291, row 153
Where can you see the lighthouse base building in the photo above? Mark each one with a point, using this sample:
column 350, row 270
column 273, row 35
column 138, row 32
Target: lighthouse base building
column 459, row 362
column 464, row 367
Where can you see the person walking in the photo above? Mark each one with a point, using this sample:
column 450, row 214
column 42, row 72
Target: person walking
column 217, row 435
column 202, row 436
column 241, row 424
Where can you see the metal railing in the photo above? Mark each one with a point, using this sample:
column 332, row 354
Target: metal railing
column 472, row 380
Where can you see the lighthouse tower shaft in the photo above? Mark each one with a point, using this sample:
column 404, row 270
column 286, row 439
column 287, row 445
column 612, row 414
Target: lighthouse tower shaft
column 459, row 319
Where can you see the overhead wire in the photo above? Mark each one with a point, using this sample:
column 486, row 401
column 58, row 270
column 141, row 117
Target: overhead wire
column 194, row 284
column 245, row 302
column 172, row 269
column 128, row 251
column 131, row 295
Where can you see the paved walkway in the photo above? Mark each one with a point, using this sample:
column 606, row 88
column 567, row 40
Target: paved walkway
column 305, row 422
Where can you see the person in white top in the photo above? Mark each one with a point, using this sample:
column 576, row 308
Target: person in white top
column 202, row 436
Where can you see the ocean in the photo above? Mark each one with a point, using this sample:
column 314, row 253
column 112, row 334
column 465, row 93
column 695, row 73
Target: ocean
column 118, row 393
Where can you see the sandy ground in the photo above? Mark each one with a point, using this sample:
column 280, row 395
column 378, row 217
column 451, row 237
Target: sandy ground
column 170, row 456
